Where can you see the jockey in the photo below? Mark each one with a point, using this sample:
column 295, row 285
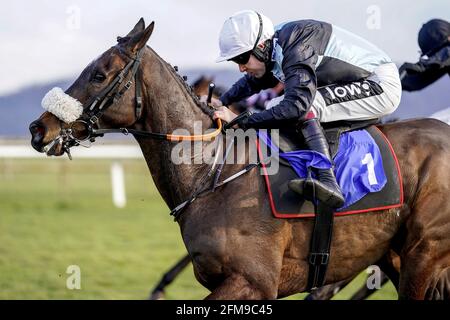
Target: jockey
column 434, row 42
column 329, row 74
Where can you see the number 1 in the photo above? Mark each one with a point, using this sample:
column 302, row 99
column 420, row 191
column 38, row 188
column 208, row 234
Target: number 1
column 368, row 160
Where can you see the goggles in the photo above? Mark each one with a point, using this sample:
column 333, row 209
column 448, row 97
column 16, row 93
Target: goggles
column 242, row 58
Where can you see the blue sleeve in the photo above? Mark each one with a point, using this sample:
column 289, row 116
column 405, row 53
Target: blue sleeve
column 299, row 89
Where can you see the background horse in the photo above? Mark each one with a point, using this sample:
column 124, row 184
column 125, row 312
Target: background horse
column 239, row 250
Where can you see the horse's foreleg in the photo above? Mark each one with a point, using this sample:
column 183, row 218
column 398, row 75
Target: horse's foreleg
column 169, row 276
column 390, row 265
column 237, row 287
column 327, row 292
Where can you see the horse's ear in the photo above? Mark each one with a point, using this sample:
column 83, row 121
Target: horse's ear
column 139, row 40
column 139, row 27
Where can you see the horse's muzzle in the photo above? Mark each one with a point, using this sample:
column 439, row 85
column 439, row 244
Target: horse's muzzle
column 38, row 131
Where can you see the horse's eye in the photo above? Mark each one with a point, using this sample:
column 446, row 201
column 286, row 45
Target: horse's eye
column 98, row 77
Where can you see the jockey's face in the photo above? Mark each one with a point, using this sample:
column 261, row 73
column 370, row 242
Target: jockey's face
column 253, row 67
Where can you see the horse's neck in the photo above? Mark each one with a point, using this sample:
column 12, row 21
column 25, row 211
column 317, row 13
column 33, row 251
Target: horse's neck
column 169, row 107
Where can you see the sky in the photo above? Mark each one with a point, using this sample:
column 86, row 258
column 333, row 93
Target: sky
column 44, row 41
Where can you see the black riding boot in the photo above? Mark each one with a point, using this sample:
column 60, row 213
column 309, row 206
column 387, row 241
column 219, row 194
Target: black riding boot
column 325, row 188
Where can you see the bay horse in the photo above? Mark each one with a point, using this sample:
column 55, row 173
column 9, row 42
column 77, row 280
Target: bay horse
column 238, row 249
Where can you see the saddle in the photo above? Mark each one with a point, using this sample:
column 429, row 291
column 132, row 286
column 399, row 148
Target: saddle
column 287, row 204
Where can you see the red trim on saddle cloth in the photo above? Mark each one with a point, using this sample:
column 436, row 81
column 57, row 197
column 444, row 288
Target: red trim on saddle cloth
column 337, row 214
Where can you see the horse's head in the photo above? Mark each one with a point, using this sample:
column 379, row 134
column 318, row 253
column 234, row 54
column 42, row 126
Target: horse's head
column 201, row 85
column 103, row 96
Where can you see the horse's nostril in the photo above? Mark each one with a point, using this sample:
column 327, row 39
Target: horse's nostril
column 37, row 129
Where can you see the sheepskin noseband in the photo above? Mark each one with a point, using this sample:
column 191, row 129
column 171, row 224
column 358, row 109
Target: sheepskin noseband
column 63, row 106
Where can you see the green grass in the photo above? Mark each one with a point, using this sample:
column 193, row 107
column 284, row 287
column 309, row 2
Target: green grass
column 55, row 213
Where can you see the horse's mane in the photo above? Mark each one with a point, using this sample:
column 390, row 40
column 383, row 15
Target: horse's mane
column 202, row 106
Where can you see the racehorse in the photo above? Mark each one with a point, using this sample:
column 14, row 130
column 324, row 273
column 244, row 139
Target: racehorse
column 239, row 250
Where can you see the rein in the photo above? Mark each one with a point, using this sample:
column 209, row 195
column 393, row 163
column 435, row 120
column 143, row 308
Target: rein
column 162, row 136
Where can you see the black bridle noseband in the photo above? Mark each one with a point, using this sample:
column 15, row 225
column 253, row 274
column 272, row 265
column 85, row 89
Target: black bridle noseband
column 111, row 94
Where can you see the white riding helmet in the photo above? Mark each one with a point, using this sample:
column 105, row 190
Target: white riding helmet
column 240, row 32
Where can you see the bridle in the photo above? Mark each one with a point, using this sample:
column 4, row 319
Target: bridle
column 84, row 129
column 111, row 94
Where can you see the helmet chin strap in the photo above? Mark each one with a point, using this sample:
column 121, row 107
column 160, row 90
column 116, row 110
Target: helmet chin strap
column 260, row 29
column 265, row 53
column 262, row 54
